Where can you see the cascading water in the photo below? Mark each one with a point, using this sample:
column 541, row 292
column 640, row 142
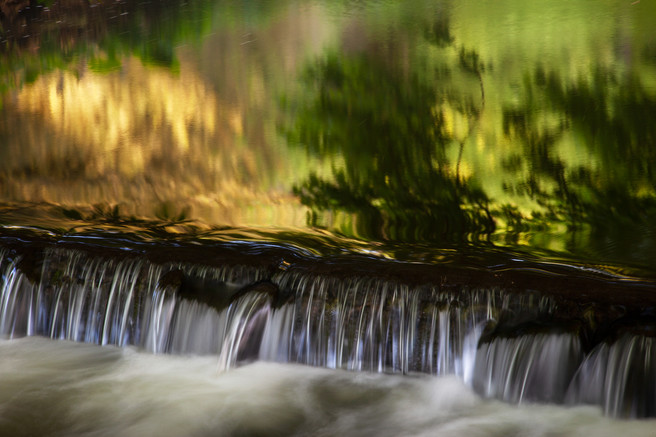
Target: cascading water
column 367, row 324
column 533, row 367
column 108, row 302
column 619, row 376
column 358, row 323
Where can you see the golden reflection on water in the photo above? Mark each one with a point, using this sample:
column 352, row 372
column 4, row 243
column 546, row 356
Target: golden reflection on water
column 126, row 119
column 145, row 135
column 161, row 142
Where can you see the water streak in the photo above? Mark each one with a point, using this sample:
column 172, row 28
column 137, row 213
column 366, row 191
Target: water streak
column 536, row 367
column 105, row 301
column 619, row 376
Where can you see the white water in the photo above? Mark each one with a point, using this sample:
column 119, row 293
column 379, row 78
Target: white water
column 60, row 388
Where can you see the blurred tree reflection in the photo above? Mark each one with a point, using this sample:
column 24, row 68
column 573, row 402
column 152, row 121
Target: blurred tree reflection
column 386, row 123
column 583, row 153
column 609, row 202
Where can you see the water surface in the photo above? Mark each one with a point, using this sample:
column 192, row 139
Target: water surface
column 526, row 127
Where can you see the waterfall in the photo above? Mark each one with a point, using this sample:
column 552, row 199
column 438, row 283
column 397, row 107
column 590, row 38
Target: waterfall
column 369, row 324
column 533, row 367
column 620, row 376
column 495, row 339
column 117, row 302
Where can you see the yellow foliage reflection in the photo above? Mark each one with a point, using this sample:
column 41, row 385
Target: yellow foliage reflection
column 142, row 134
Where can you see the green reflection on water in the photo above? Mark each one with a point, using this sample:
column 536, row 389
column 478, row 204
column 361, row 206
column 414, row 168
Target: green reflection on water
column 612, row 197
column 429, row 123
column 418, row 139
column 386, row 126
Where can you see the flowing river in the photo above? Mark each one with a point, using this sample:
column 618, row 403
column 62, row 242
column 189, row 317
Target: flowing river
column 312, row 217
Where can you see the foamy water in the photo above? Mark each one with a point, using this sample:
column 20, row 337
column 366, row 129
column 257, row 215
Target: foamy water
column 60, row 388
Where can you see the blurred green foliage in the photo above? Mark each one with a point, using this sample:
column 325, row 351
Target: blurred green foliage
column 386, row 125
column 612, row 198
column 383, row 126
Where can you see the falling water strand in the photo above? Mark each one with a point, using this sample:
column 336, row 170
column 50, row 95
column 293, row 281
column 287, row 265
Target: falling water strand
column 619, row 376
column 533, row 367
column 103, row 301
column 246, row 321
column 367, row 324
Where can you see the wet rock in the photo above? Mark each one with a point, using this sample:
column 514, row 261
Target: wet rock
column 171, row 279
column 643, row 324
column 247, row 316
column 266, row 287
column 30, row 264
column 207, row 290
